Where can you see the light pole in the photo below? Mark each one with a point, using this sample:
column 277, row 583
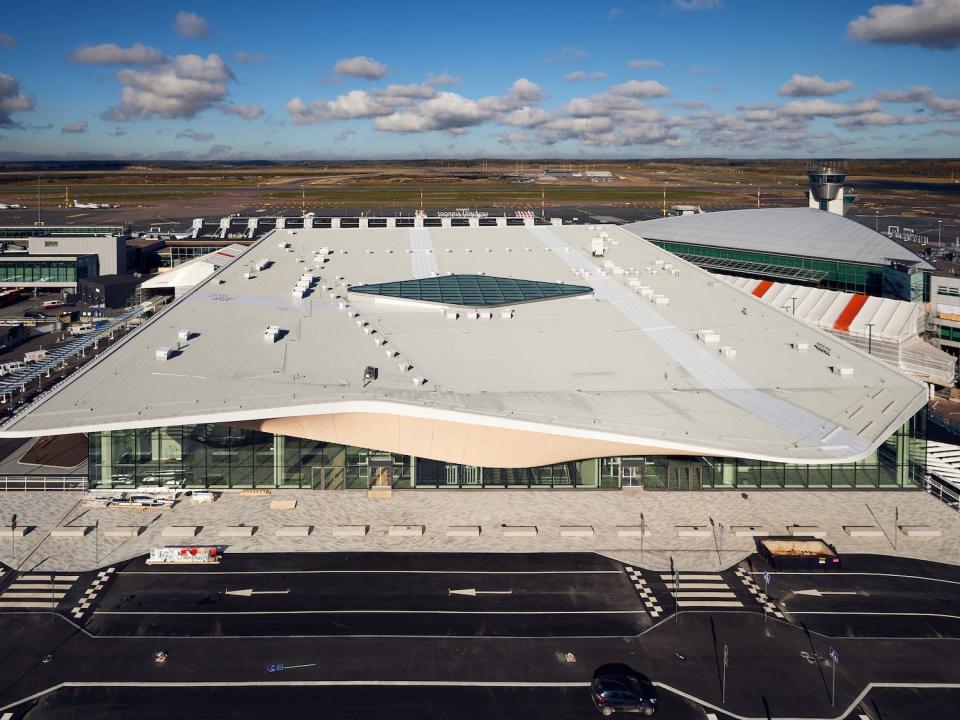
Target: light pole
column 869, row 338
column 877, row 226
column 939, row 229
column 641, row 538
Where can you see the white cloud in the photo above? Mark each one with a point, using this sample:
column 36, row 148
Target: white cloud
column 187, row 85
column 644, row 64
column 442, row 80
column 76, row 128
column 362, row 67
column 249, row 58
column 12, row 100
column 247, row 112
column 828, row 108
column 526, row 117
column 917, row 93
column 344, row 135
column 688, row 5
column 580, row 75
column 813, row 86
column 880, row 119
column 7, row 40
column 190, row 25
column 929, row 23
column 190, row 134
column 641, row 89
column 113, row 54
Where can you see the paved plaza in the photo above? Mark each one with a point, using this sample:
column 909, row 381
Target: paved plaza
column 506, row 518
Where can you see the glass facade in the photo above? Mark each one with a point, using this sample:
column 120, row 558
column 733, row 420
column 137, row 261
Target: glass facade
column 834, row 275
column 42, row 270
column 221, row 456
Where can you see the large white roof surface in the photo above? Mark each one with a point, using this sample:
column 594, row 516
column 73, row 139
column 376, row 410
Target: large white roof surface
column 805, row 232
column 611, row 366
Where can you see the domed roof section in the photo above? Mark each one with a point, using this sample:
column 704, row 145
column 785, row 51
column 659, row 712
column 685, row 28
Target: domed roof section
column 804, row 232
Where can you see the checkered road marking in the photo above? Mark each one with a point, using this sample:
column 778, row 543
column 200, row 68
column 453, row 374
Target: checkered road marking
column 90, row 594
column 650, row 601
column 747, row 579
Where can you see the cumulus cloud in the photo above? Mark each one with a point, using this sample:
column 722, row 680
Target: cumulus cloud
column 191, row 134
column 917, row 93
column 181, row 88
column 247, row 112
column 250, row 58
column 580, row 75
column 358, row 104
column 442, row 80
column 644, row 64
column 7, row 40
column 113, row 54
column 813, row 86
column 12, row 100
column 828, row 108
column 527, row 117
column 362, row 67
column 880, row 119
column 76, row 128
column 190, row 25
column 641, row 89
column 688, row 5
column 344, row 135
column 929, row 23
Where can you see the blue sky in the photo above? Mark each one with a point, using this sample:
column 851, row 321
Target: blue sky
column 308, row 80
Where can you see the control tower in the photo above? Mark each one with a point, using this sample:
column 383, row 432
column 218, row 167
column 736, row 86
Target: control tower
column 826, row 186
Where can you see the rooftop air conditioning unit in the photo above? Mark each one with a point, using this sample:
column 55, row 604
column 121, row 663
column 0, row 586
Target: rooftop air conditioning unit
column 271, row 334
column 708, row 336
column 800, row 346
column 184, row 335
column 164, row 353
column 728, row 351
column 843, row 370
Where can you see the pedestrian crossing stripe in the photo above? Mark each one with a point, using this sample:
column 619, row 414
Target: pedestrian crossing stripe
column 761, row 597
column 643, row 590
column 90, row 594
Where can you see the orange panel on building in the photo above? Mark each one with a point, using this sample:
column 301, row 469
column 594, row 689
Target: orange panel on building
column 850, row 312
column 761, row 289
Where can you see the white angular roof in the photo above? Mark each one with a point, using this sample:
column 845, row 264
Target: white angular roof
column 703, row 370
column 805, row 232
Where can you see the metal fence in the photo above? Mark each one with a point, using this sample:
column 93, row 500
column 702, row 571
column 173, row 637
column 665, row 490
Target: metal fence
column 43, row 483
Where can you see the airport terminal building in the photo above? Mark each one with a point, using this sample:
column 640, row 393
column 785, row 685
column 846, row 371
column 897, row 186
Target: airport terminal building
column 468, row 357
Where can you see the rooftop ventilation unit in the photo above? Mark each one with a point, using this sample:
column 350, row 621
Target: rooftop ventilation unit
column 708, row 336
column 842, row 370
column 164, row 353
column 661, row 300
column 185, row 335
column 271, row 334
column 728, row 351
column 800, row 346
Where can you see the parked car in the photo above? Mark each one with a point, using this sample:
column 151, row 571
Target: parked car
column 623, row 694
column 36, row 314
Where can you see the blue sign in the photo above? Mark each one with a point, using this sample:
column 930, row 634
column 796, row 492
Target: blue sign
column 766, row 577
column 276, row 667
column 834, row 655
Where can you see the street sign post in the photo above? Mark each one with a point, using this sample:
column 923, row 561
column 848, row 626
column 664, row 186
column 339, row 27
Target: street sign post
column 835, row 657
column 641, row 538
column 720, row 546
column 13, row 540
column 766, row 591
column 723, row 683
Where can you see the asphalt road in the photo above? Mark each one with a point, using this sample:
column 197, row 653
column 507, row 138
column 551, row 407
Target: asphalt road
column 480, row 666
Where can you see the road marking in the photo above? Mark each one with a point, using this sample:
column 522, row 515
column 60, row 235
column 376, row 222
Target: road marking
column 31, row 595
column 864, row 574
column 46, row 576
column 686, row 576
column 297, row 683
column 766, row 602
column 250, row 591
column 821, row 593
column 867, row 612
column 39, row 586
column 697, row 585
column 723, row 594
column 646, row 595
column 709, row 603
column 371, row 572
column 473, row 592
column 369, row 612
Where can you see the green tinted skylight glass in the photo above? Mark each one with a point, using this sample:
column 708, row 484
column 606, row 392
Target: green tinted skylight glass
column 472, row 290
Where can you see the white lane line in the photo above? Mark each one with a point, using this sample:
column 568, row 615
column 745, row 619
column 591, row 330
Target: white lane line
column 39, row 586
column 46, row 576
column 300, row 683
column 709, row 603
column 844, row 713
column 370, row 612
column 31, row 595
column 371, row 572
column 864, row 574
column 698, row 586
column 697, row 594
column 868, row 612
column 683, row 576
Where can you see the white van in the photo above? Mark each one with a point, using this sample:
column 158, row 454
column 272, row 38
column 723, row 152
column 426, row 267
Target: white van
column 10, row 367
column 82, row 329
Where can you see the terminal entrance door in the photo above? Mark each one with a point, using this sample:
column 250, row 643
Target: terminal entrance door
column 631, row 473
column 328, row 478
column 381, row 474
column 684, row 475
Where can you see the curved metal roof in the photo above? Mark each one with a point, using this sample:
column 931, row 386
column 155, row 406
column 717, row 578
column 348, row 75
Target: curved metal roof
column 804, row 232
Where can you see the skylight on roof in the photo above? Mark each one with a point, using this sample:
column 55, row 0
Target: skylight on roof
column 472, row 290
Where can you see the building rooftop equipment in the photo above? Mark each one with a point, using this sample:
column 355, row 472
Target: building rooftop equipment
column 604, row 373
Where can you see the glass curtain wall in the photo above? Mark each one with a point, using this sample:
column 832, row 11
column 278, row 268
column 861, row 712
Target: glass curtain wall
column 222, row 456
